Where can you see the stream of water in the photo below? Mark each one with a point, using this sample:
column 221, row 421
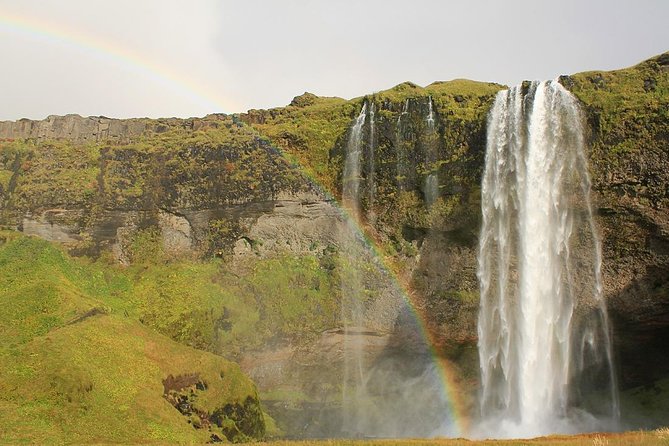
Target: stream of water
column 544, row 335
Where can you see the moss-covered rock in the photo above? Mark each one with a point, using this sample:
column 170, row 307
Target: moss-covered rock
column 628, row 115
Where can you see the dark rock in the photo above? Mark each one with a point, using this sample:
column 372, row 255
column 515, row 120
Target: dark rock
column 304, row 100
column 649, row 84
column 566, row 81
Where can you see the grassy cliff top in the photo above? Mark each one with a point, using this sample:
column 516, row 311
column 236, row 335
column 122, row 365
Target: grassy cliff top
column 311, row 126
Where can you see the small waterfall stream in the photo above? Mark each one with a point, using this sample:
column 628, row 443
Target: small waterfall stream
column 352, row 166
column 371, row 162
column 431, row 156
column 352, row 311
column 543, row 324
column 402, row 158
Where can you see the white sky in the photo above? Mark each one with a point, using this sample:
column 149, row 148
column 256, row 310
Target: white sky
column 228, row 56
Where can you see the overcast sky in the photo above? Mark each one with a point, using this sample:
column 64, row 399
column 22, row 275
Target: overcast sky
column 160, row 58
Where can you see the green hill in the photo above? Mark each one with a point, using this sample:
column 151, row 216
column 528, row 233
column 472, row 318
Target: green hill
column 75, row 367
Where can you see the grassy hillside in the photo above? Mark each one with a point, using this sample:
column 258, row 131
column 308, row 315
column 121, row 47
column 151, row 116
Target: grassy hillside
column 84, row 341
column 75, row 366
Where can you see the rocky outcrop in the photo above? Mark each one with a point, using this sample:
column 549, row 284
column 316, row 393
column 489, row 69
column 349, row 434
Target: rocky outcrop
column 235, row 422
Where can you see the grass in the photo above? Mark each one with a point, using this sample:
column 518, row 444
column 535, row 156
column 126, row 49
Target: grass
column 76, row 366
column 307, row 133
column 208, row 162
column 84, row 342
column 637, row 438
column 213, row 306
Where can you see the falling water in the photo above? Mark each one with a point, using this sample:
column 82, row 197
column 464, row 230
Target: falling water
column 402, row 160
column 352, row 165
column 432, row 179
column 352, row 305
column 391, row 386
column 430, row 113
column 543, row 327
column 371, row 160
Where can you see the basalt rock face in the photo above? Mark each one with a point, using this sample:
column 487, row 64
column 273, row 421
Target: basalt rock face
column 201, row 182
column 95, row 128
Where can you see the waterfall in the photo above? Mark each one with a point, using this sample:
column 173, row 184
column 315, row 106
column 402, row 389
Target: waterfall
column 430, row 114
column 371, row 162
column 352, row 311
column 352, row 165
column 432, row 178
column 544, row 336
column 402, row 160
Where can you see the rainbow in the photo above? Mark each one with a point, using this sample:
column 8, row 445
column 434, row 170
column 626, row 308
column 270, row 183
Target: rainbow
column 131, row 61
column 115, row 55
column 445, row 369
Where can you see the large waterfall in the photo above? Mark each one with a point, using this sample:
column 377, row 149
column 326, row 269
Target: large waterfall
column 544, row 336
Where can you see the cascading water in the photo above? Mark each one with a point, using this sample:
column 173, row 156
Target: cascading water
column 432, row 179
column 402, row 159
column 352, row 307
column 544, row 337
column 352, row 165
column 371, row 157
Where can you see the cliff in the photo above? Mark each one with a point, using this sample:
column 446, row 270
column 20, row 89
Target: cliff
column 245, row 206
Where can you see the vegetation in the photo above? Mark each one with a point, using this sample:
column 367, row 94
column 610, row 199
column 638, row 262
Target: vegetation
column 76, row 366
column 94, row 352
column 53, row 173
column 652, row 438
column 210, row 307
column 628, row 112
column 306, row 131
column 220, row 162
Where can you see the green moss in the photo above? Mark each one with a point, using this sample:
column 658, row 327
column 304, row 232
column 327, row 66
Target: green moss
column 627, row 111
column 207, row 306
column 296, row 296
column 49, row 173
column 187, row 163
column 146, row 247
column 307, row 133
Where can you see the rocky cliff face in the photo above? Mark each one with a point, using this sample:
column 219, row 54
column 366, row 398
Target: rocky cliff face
column 262, row 187
column 96, row 128
column 435, row 244
column 627, row 112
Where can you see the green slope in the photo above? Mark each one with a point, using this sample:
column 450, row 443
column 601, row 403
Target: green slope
column 76, row 367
